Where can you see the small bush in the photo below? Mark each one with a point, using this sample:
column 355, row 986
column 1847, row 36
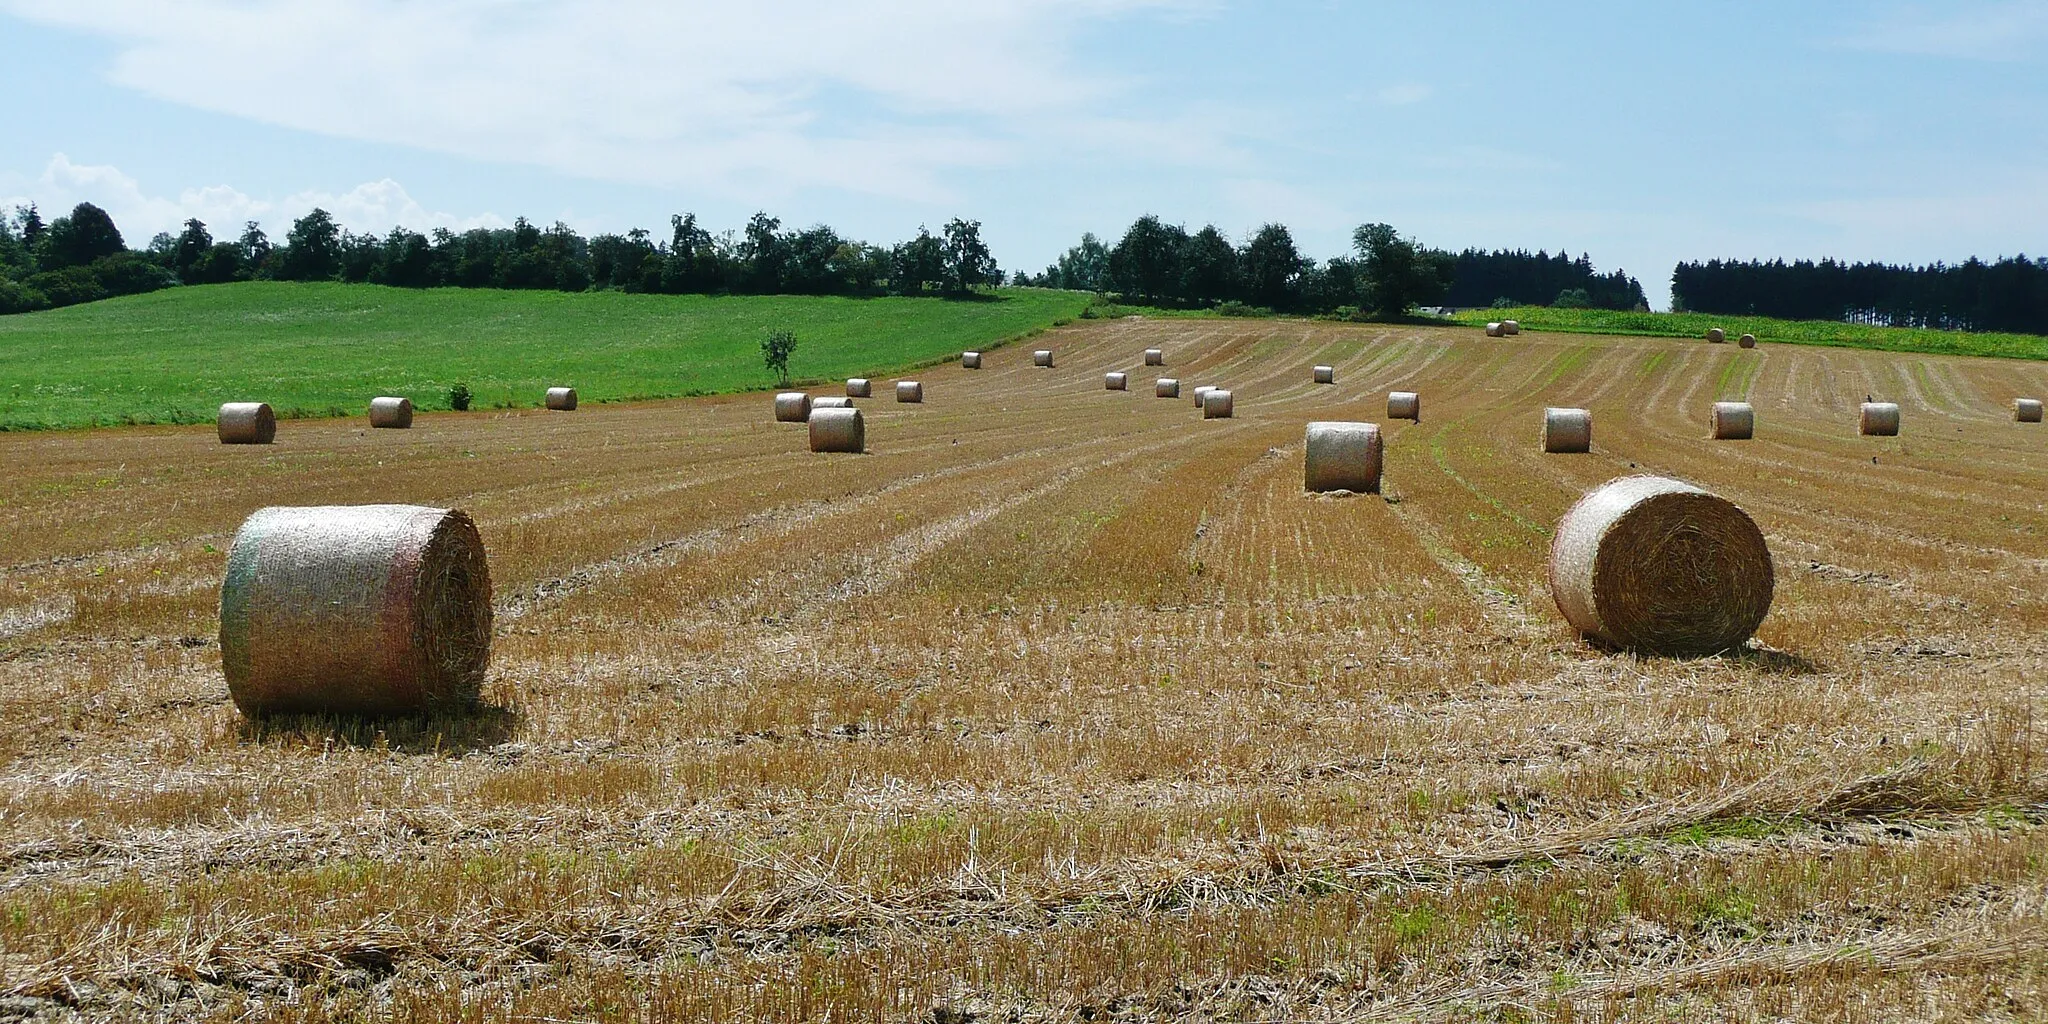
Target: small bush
column 459, row 398
column 1236, row 308
column 1503, row 303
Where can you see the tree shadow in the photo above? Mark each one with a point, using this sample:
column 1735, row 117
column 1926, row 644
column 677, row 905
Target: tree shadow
column 479, row 726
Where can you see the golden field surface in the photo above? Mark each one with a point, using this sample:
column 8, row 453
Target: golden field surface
column 1064, row 704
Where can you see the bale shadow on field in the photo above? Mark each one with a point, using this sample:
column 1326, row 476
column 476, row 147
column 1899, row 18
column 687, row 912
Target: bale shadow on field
column 477, row 727
column 1776, row 663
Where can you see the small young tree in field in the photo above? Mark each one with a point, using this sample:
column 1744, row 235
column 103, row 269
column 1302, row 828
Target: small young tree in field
column 775, row 351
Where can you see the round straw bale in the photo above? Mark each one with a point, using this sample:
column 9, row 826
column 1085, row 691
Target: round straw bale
column 1342, row 457
column 859, row 387
column 1404, row 405
column 1324, row 374
column 355, row 609
column 1166, row 387
column 1200, row 391
column 1567, row 430
column 1493, row 330
column 1747, row 341
column 909, row 391
column 246, row 423
column 1042, row 357
column 1879, row 419
column 1734, row 421
column 1115, row 382
column 830, row 402
column 838, row 430
column 1716, row 335
column 792, row 407
column 392, row 413
column 2026, row 410
column 1510, row 328
column 562, row 399
column 1653, row 565
column 1217, row 404
column 970, row 360
column 1155, row 357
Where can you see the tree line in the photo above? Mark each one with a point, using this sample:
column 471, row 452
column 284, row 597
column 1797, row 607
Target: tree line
column 82, row 257
column 2009, row 295
column 1385, row 275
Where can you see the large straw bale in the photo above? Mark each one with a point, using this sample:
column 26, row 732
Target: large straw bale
column 792, row 407
column 1404, row 405
column 1657, row 566
column 1042, row 357
column 2026, row 410
column 1567, row 431
column 562, row 399
column 1493, row 330
column 970, row 360
column 391, row 413
column 1734, row 421
column 1155, row 357
column 910, row 392
column 1342, row 456
column 1217, row 404
column 1879, row 419
column 1716, row 336
column 830, row 402
column 838, row 430
column 1747, row 341
column 859, row 387
column 1324, row 374
column 355, row 609
column 1166, row 387
column 1116, row 382
column 246, row 423
column 1201, row 391
column 1510, row 328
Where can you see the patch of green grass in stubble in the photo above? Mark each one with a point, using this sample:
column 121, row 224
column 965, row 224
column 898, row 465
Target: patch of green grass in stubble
column 1767, row 330
column 326, row 349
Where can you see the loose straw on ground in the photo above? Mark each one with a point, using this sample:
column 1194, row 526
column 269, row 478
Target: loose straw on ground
column 1734, row 421
column 1341, row 456
column 562, row 399
column 1567, row 431
column 391, row 413
column 1324, row 374
column 1879, row 419
column 1217, row 404
column 1657, row 566
column 792, row 407
column 859, row 387
column 1166, row 387
column 1155, row 357
column 909, row 392
column 1115, row 382
column 1404, row 405
column 970, row 360
column 838, row 430
column 246, row 423
column 360, row 610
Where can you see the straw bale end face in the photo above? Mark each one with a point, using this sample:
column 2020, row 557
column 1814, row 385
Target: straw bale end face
column 838, row 430
column 1656, row 566
column 1734, row 421
column 1747, row 341
column 1879, row 419
column 1042, row 357
column 2026, row 410
column 970, row 360
column 1567, row 431
column 1166, row 387
column 391, row 413
column 792, row 407
column 1716, row 336
column 1404, row 405
column 246, row 423
column 859, row 387
column 1155, row 357
column 1115, row 382
column 1324, row 374
column 1342, row 457
column 910, row 392
column 562, row 399
column 1218, row 404
column 355, row 610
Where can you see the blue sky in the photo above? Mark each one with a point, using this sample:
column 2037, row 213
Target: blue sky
column 1639, row 133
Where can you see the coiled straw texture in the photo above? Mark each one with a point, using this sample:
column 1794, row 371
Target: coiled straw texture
column 1338, row 456
column 246, row 423
column 792, row 407
column 838, row 430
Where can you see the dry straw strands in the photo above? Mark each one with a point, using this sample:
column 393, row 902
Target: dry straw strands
column 1879, row 419
column 1404, row 405
column 1166, row 387
column 1716, row 336
column 838, row 430
column 355, row 609
column 1747, row 341
column 1734, row 421
column 1656, row 566
column 1115, row 382
column 1217, row 404
column 859, row 387
column 562, row 399
column 971, row 360
column 792, row 407
column 1493, row 330
column 830, row 402
column 1510, row 328
column 909, row 392
column 1155, row 357
column 1567, row 431
column 2026, row 410
column 1342, row 457
column 1042, row 357
column 246, row 423
column 1324, row 374
column 391, row 413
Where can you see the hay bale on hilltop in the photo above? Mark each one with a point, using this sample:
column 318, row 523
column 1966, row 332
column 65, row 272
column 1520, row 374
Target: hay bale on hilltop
column 792, row 407
column 561, row 399
column 1493, row 330
column 2026, row 410
column 1339, row 456
column 246, row 423
column 1404, row 405
column 1716, row 336
column 1879, row 419
column 1323, row 374
column 910, row 392
column 1042, row 357
column 859, row 387
column 1166, row 387
column 1155, row 357
column 838, row 430
column 970, row 360
column 1217, row 404
column 356, row 610
column 1747, row 341
column 1657, row 566
column 1734, row 421
column 1510, row 328
column 1115, row 382
column 391, row 413
column 1567, row 431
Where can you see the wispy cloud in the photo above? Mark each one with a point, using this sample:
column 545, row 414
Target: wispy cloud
column 2008, row 30
column 1405, row 94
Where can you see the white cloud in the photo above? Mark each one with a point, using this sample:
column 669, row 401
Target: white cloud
column 2002, row 31
column 372, row 207
column 1405, row 94
column 760, row 97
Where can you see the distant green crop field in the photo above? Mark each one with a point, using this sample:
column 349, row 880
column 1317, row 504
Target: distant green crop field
column 326, row 349
column 1793, row 332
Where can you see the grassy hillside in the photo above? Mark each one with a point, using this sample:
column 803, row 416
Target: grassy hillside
column 327, row 349
column 1792, row 332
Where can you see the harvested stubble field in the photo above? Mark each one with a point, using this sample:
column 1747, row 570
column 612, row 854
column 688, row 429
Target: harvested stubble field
column 1064, row 704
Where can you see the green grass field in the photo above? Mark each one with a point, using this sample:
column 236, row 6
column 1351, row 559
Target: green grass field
column 327, row 349
column 1792, row 332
